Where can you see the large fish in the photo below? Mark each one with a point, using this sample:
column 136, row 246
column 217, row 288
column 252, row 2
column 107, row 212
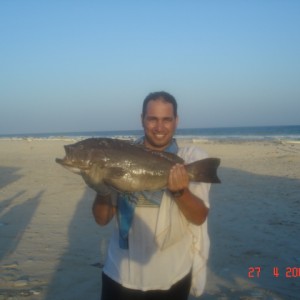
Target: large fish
column 127, row 167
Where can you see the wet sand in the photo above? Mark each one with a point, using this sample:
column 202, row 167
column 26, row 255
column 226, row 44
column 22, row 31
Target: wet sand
column 51, row 248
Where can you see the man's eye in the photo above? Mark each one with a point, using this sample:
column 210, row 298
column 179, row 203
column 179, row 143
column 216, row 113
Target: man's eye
column 151, row 119
column 168, row 120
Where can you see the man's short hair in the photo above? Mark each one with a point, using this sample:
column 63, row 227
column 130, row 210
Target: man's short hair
column 160, row 95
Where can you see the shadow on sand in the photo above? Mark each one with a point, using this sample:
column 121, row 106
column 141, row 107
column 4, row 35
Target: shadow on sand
column 254, row 222
column 78, row 273
column 14, row 221
column 8, row 175
column 244, row 226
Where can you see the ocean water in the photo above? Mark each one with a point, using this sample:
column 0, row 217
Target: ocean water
column 259, row 133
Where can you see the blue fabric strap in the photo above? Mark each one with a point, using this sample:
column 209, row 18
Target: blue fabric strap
column 127, row 202
column 125, row 216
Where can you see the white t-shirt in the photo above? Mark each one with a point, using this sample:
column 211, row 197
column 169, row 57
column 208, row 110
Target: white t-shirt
column 162, row 243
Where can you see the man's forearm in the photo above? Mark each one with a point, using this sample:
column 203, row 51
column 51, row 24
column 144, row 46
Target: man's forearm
column 192, row 207
column 103, row 209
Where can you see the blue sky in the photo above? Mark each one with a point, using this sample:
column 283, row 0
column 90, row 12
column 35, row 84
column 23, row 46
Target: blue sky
column 87, row 65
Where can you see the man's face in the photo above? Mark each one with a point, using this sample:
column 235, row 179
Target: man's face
column 159, row 124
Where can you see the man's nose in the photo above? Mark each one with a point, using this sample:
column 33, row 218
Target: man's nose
column 159, row 125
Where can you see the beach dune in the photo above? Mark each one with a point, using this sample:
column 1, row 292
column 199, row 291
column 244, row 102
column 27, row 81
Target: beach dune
column 51, row 248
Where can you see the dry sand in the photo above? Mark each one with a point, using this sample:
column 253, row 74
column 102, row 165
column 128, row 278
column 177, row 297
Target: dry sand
column 51, row 248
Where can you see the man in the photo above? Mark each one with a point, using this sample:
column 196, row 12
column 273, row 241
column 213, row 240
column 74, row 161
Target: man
column 167, row 245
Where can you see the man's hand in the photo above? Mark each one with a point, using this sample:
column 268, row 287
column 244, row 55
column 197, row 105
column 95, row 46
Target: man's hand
column 94, row 181
column 192, row 207
column 178, row 178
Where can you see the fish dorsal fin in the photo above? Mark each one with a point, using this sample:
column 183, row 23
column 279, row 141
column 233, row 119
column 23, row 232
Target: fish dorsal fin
column 167, row 155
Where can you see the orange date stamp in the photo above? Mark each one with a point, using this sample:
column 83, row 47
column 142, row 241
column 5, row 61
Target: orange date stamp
column 288, row 272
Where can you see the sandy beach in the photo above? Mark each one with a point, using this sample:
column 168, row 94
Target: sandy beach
column 51, row 248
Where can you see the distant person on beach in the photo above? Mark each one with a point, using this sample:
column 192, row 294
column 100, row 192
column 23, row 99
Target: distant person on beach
column 160, row 245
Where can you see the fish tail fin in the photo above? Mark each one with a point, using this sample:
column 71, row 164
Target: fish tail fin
column 204, row 170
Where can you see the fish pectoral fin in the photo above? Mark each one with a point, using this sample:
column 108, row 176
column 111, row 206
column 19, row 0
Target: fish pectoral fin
column 115, row 172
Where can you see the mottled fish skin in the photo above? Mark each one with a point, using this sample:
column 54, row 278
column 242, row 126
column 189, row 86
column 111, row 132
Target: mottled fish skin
column 127, row 167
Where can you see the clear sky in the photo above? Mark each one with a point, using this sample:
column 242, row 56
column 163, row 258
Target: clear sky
column 88, row 65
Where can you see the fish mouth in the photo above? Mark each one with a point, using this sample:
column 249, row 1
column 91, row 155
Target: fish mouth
column 70, row 166
column 60, row 161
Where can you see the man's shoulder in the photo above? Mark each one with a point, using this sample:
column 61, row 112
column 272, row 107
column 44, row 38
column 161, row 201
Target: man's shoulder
column 191, row 153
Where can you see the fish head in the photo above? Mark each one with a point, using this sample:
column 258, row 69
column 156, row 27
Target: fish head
column 79, row 157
